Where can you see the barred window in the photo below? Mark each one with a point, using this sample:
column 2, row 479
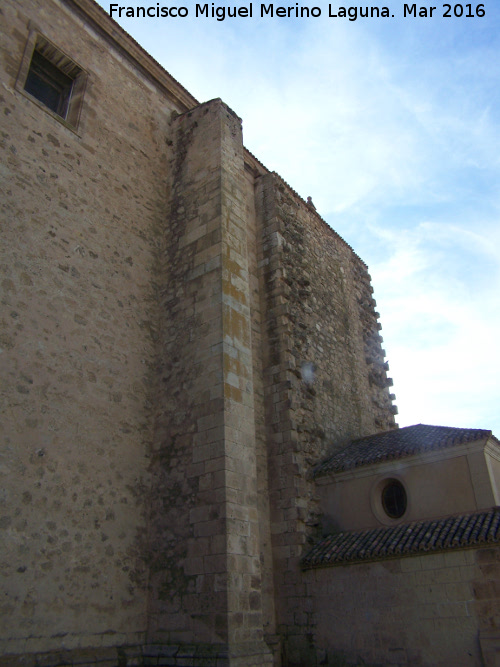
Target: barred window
column 52, row 79
column 394, row 499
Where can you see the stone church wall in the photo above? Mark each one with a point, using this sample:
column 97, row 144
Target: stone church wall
column 325, row 377
column 183, row 339
column 436, row 609
column 254, row 233
column 81, row 218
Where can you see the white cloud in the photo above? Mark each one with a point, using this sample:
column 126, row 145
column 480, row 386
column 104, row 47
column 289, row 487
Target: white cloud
column 441, row 335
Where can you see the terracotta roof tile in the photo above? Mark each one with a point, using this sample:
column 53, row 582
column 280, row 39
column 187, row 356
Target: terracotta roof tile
column 397, row 444
column 455, row 532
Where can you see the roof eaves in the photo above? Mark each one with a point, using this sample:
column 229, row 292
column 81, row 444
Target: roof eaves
column 475, row 529
column 127, row 45
column 254, row 163
column 383, row 447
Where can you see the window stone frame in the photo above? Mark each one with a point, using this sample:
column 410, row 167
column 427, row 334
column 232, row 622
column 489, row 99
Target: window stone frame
column 376, row 502
column 37, row 41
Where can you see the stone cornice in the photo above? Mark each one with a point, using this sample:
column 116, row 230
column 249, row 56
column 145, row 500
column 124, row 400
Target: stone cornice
column 123, row 42
column 127, row 45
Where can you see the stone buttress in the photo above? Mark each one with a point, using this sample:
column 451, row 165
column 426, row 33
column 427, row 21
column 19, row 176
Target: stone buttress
column 205, row 581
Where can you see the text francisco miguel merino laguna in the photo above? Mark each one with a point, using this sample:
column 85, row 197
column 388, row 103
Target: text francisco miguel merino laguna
column 220, row 13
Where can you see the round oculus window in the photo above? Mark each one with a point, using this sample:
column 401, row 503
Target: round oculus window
column 394, row 499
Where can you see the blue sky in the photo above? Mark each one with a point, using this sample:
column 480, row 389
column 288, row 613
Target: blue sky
column 392, row 125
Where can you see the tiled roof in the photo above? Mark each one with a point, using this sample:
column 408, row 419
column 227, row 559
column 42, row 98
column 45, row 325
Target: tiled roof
column 397, row 444
column 455, row 532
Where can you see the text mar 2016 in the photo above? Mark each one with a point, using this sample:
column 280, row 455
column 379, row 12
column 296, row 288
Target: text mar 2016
column 223, row 12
